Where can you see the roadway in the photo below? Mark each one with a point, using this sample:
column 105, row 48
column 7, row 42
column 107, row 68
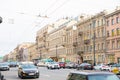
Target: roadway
column 45, row 74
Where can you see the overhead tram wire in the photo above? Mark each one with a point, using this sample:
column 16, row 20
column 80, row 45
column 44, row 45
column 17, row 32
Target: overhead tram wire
column 45, row 11
column 36, row 17
column 57, row 8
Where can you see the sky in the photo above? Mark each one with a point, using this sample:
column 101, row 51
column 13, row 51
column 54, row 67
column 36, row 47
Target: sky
column 21, row 21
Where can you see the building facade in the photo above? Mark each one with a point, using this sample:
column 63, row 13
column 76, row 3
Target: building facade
column 113, row 36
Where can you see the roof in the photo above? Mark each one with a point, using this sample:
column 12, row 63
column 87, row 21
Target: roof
column 91, row 72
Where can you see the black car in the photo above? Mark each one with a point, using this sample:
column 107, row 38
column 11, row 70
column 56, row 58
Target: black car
column 28, row 70
column 85, row 66
column 91, row 75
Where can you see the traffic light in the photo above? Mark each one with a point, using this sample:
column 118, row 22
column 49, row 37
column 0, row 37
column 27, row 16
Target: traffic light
column 0, row 19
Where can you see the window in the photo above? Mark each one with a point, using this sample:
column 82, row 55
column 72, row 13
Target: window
column 102, row 46
column 118, row 44
column 112, row 21
column 94, row 24
column 118, row 31
column 108, row 47
column 117, row 20
column 98, row 46
column 113, row 44
column 98, row 33
column 113, row 32
column 101, row 21
column 108, row 34
column 98, row 23
column 107, row 23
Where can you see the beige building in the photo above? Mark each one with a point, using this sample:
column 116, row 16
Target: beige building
column 90, row 40
column 42, row 41
column 113, row 36
column 32, row 52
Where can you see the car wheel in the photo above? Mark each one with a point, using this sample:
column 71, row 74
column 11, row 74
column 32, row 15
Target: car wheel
column 37, row 76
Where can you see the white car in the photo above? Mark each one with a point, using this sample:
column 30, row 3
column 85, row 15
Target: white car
column 102, row 67
column 53, row 65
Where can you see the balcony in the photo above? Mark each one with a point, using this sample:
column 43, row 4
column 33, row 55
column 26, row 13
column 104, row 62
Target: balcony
column 80, row 33
column 86, row 41
column 74, row 44
column 80, row 52
column 63, row 44
column 47, row 48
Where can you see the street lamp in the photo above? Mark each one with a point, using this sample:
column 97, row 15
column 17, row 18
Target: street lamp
column 0, row 19
column 40, row 55
column 56, row 51
column 94, row 48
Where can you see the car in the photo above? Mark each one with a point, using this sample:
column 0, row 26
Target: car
column 4, row 66
column 115, row 68
column 91, row 75
column 62, row 64
column 28, row 70
column 41, row 64
column 53, row 65
column 102, row 67
column 13, row 64
column 85, row 66
column 71, row 65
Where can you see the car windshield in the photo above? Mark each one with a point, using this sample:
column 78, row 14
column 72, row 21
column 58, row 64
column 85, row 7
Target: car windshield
column 103, row 77
column 3, row 64
column 28, row 66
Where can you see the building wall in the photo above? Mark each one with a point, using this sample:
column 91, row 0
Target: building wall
column 113, row 36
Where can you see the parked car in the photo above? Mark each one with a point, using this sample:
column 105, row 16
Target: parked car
column 85, row 66
column 41, row 64
column 13, row 64
column 4, row 66
column 115, row 68
column 91, row 75
column 62, row 64
column 71, row 65
column 28, row 70
column 53, row 65
column 102, row 67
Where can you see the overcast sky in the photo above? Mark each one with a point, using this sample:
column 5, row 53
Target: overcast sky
column 20, row 22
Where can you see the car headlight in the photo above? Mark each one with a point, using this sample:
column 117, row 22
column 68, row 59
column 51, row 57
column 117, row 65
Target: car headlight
column 23, row 71
column 37, row 71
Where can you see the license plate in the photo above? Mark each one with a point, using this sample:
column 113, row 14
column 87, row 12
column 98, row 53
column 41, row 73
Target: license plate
column 31, row 73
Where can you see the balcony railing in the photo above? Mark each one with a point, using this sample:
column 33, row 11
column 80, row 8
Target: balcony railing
column 74, row 44
column 80, row 33
column 63, row 44
column 86, row 41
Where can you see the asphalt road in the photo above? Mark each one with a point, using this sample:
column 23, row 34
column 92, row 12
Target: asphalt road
column 45, row 74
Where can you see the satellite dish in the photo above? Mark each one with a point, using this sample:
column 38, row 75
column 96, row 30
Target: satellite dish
column 0, row 19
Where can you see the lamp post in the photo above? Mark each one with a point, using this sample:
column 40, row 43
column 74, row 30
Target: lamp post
column 40, row 55
column 56, row 51
column 0, row 19
column 94, row 48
